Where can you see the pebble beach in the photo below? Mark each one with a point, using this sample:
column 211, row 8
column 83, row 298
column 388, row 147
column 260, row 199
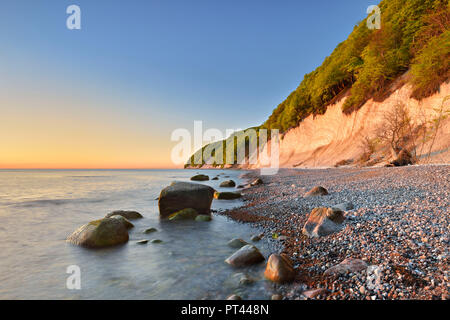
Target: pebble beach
column 398, row 228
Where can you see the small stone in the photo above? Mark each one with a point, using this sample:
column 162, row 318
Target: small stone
column 277, row 297
column 227, row 184
column 142, row 242
column 311, row 294
column 316, row 191
column 279, row 269
column 237, row 243
column 150, row 230
column 247, row 255
column 234, row 297
column 156, row 241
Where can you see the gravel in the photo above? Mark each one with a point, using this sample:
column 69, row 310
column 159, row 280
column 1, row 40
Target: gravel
column 399, row 224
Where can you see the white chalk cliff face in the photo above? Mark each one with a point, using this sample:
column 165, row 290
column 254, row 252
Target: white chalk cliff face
column 324, row 140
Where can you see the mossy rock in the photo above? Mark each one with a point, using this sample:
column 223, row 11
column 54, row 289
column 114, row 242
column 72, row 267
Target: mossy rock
column 203, row 217
column 181, row 195
column 130, row 215
column 200, row 177
column 100, row 233
column 215, row 178
column 125, row 221
column 184, row 214
column 227, row 184
column 156, row 241
column 227, row 195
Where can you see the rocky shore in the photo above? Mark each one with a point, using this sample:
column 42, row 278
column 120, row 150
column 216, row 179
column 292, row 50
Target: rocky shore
column 393, row 244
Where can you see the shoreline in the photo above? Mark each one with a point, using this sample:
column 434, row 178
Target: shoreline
column 400, row 222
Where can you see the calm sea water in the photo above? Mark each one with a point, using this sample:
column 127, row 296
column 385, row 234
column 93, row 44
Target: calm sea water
column 40, row 208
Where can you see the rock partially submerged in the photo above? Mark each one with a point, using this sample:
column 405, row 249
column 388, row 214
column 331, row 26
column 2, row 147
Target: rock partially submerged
column 323, row 221
column 227, row 184
column 183, row 195
column 247, row 255
column 203, row 218
column 237, row 243
column 316, row 191
column 279, row 269
column 200, row 177
column 347, row 266
column 184, row 214
column 100, row 233
column 130, row 215
column 227, row 195
column 125, row 221
column 150, row 230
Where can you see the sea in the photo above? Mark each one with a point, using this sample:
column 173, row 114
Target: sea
column 39, row 209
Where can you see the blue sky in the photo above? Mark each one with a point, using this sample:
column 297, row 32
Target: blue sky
column 160, row 65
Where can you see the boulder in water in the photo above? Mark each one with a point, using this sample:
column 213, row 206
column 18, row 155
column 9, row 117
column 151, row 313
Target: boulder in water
column 227, row 195
column 184, row 214
column 203, row 218
column 182, row 195
column 245, row 256
column 323, row 221
column 150, row 230
column 237, row 243
column 227, row 184
column 100, row 233
column 130, row 215
column 125, row 221
column 200, row 177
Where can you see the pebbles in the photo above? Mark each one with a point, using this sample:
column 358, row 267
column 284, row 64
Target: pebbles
column 400, row 222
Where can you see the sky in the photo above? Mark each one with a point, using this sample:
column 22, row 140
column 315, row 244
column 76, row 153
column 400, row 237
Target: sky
column 110, row 94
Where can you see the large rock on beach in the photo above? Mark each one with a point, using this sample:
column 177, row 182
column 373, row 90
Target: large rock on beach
column 227, row 195
column 323, row 221
column 100, row 233
column 347, row 266
column 404, row 158
column 279, row 269
column 316, row 191
column 183, row 195
column 200, row 177
column 130, row 215
column 227, row 184
column 247, row 255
